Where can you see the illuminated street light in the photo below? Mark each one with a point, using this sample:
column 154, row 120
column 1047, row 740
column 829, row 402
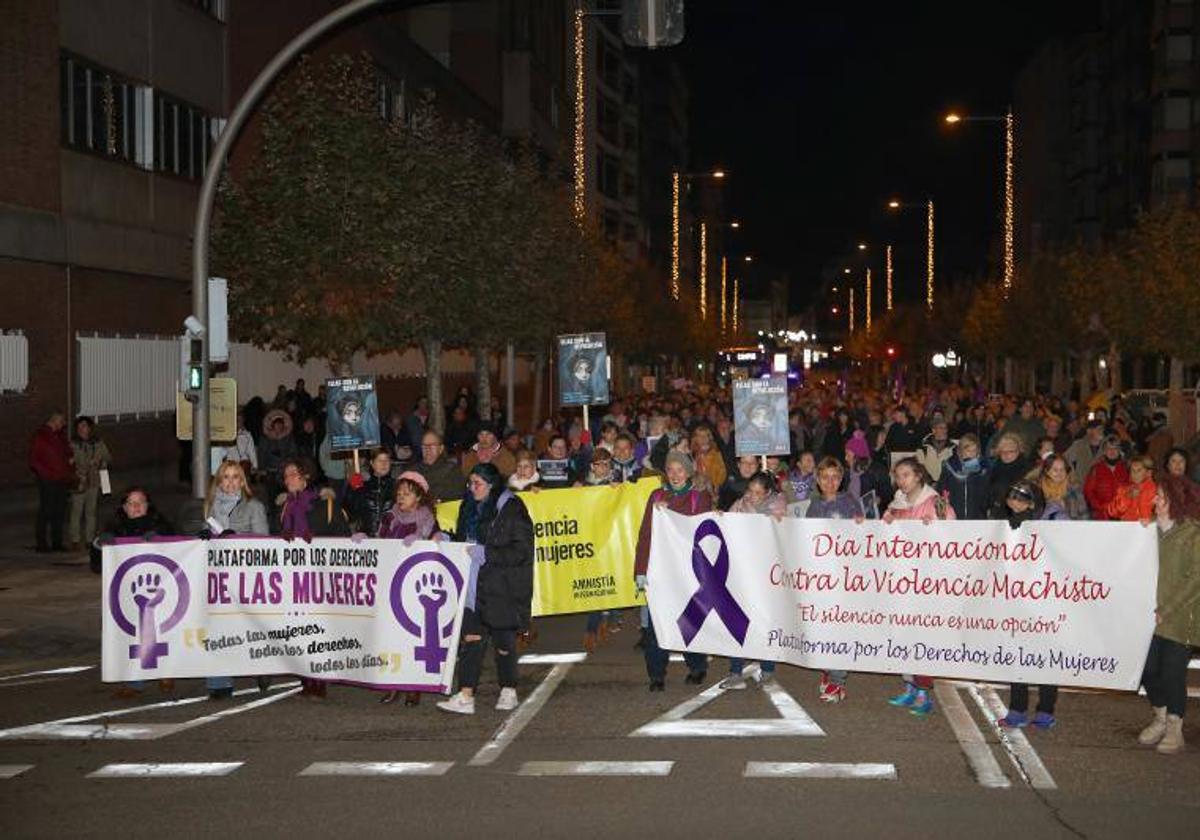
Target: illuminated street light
column 749, row 258
column 1009, row 195
column 735, row 225
column 862, row 246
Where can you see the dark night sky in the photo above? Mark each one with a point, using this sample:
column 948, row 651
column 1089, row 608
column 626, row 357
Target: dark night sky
column 822, row 110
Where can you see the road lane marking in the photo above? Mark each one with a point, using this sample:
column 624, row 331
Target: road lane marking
column 1020, row 752
column 80, row 727
column 793, row 721
column 48, row 672
column 377, row 768
column 987, row 770
column 520, row 718
column 596, row 768
column 166, row 771
column 552, row 658
column 818, row 770
column 11, row 771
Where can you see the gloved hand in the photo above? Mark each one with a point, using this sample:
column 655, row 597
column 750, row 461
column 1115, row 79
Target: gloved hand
column 228, row 532
column 356, row 481
column 585, row 437
column 357, row 537
column 640, row 582
column 410, row 539
column 477, row 553
column 204, row 535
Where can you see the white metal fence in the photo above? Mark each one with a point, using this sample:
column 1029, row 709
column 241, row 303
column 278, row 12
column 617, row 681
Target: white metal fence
column 14, row 362
column 137, row 376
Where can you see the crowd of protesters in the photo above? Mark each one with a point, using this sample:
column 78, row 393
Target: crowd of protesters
column 942, row 453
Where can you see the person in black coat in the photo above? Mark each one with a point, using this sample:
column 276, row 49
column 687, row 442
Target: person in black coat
column 966, row 480
column 497, row 522
column 1010, row 465
column 368, row 500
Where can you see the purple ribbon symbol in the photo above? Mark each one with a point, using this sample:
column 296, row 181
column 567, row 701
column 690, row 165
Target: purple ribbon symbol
column 713, row 593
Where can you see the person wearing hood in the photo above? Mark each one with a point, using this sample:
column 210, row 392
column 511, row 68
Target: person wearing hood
column 1134, row 501
column 965, row 480
column 1106, row 477
column 915, row 499
column 936, row 448
column 1026, row 504
column 1177, row 616
column 304, row 513
column 497, row 522
column 677, row 494
column 1009, row 466
column 488, row 450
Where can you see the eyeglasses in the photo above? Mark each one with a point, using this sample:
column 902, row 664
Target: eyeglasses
column 430, row 445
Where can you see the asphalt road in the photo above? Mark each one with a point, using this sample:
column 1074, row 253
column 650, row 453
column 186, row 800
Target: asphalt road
column 695, row 773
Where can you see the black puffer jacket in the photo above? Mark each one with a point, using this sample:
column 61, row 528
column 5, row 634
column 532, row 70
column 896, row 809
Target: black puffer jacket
column 369, row 503
column 969, row 492
column 504, row 593
column 153, row 524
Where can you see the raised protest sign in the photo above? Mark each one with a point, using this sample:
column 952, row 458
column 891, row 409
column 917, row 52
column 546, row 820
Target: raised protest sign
column 351, row 413
column 584, row 540
column 374, row 612
column 582, row 369
column 760, row 416
column 1053, row 603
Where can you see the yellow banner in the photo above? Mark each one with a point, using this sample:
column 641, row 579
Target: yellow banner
column 584, row 539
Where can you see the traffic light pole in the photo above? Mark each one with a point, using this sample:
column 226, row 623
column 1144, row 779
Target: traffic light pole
column 201, row 440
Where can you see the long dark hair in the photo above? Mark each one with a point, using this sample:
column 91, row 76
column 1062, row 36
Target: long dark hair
column 474, row 515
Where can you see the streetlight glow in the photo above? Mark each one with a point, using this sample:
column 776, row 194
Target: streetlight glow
column 718, row 173
column 953, row 118
column 894, row 204
column 749, row 258
column 735, row 225
column 862, row 246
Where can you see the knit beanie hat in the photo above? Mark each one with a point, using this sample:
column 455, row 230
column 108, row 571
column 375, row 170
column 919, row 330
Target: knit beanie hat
column 857, row 445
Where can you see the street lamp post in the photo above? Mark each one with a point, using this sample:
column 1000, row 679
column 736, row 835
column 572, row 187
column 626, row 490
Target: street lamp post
column 896, row 204
column 1009, row 198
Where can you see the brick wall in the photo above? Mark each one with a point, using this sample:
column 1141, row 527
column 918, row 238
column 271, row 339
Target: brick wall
column 29, row 101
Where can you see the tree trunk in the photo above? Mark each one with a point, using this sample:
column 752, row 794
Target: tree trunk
column 433, row 384
column 1114, row 368
column 483, row 385
column 1058, row 377
column 1176, row 414
column 536, row 415
column 1085, row 376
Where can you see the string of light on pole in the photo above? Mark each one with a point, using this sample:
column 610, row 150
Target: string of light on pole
column 888, row 271
column 851, row 308
column 1008, row 201
column 735, row 305
column 580, row 162
column 929, row 259
column 723, row 276
column 675, row 236
column 703, row 272
column 868, row 307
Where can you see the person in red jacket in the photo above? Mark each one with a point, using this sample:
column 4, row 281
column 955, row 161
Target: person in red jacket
column 1104, row 479
column 1134, row 501
column 52, row 464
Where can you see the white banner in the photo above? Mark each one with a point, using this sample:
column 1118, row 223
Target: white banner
column 1056, row 603
column 376, row 612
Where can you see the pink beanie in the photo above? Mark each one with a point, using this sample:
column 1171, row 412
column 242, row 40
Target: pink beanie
column 416, row 478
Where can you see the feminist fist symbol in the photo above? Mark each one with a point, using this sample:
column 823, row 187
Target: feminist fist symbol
column 430, row 651
column 435, row 584
column 148, row 593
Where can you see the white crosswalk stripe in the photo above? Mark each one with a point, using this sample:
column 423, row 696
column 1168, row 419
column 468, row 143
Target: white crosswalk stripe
column 596, row 768
column 377, row 768
column 166, row 770
column 11, row 771
column 817, row 770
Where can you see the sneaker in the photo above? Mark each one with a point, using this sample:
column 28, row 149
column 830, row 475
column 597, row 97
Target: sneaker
column 459, row 704
column 1013, row 720
column 833, row 693
column 1044, row 720
column 734, row 682
column 657, row 685
column 508, row 700
column 922, row 705
column 766, row 678
column 907, row 698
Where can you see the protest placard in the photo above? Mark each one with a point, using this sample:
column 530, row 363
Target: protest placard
column 760, row 416
column 351, row 413
column 583, row 369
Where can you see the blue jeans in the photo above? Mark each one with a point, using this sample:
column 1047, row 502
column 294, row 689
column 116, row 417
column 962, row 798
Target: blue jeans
column 657, row 658
column 837, row 677
column 736, row 666
column 218, row 683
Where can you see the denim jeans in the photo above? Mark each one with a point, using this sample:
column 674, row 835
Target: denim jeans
column 657, row 658
column 736, row 666
column 218, row 683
